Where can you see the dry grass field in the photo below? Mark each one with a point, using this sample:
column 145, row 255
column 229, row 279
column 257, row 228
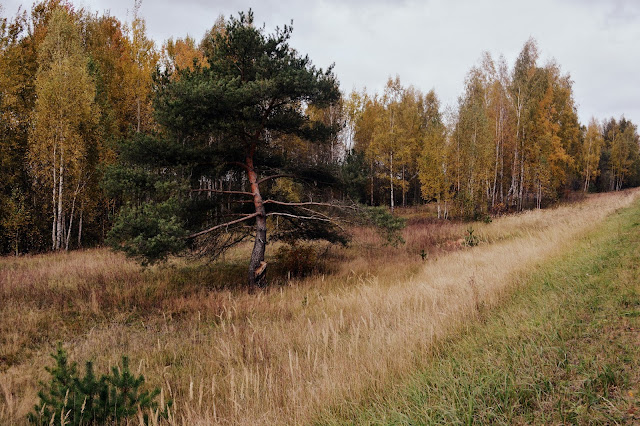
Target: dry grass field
column 365, row 319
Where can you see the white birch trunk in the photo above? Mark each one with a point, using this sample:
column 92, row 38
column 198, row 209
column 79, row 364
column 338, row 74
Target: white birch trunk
column 80, row 227
column 53, row 202
column 59, row 231
column 73, row 209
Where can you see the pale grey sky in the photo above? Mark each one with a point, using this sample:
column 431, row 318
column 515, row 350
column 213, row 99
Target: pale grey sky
column 433, row 43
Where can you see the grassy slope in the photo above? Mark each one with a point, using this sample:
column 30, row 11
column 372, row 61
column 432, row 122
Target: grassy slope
column 564, row 348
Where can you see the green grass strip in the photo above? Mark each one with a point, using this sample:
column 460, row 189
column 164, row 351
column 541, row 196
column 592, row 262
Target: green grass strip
column 563, row 348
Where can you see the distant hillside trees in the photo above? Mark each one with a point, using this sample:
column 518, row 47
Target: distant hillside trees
column 513, row 142
column 72, row 83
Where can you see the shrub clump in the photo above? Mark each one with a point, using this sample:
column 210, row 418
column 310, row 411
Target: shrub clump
column 297, row 260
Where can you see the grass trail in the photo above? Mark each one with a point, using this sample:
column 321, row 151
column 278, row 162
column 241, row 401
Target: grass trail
column 562, row 349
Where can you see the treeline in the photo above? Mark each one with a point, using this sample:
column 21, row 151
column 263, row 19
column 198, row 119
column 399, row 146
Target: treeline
column 72, row 85
column 75, row 84
column 513, row 142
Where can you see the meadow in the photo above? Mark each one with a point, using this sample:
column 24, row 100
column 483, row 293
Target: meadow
column 307, row 349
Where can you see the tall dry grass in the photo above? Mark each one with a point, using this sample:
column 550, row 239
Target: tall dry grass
column 225, row 355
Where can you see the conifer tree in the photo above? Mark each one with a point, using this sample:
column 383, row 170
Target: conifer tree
column 216, row 168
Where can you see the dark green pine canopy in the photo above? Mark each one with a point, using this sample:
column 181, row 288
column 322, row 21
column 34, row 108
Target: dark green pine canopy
column 236, row 151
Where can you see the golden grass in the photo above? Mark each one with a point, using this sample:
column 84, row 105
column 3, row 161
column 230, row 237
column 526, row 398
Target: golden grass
column 559, row 349
column 278, row 356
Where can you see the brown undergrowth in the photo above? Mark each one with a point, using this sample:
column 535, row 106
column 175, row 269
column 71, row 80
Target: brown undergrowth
column 366, row 318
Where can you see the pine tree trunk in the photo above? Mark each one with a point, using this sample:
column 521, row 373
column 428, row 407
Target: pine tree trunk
column 257, row 265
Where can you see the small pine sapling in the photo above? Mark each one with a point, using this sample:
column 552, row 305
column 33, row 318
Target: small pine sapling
column 471, row 240
column 73, row 400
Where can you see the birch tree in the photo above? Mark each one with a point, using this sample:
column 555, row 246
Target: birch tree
column 622, row 138
column 433, row 166
column 139, row 70
column 385, row 141
column 63, row 113
column 591, row 150
column 520, row 92
column 474, row 147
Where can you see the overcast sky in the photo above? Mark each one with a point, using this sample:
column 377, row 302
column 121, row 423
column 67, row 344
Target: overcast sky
column 432, row 43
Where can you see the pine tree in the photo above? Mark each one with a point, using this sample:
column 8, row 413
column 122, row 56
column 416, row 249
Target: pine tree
column 217, row 165
column 89, row 400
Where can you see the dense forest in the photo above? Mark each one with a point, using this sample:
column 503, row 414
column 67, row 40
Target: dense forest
column 97, row 121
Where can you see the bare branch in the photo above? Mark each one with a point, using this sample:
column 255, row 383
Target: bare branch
column 219, row 191
column 216, row 246
column 314, row 212
column 328, row 218
column 222, row 225
column 232, row 215
column 308, row 203
column 321, row 219
column 294, row 216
